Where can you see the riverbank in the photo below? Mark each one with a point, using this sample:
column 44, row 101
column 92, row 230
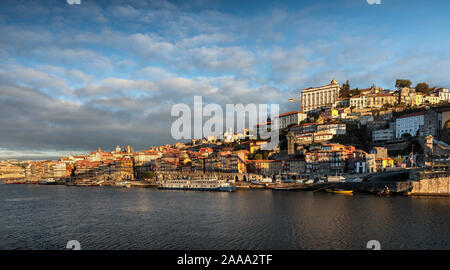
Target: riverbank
column 432, row 186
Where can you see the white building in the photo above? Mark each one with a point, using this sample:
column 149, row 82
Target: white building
column 291, row 118
column 409, row 123
column 358, row 102
column 444, row 94
column 333, row 128
column 316, row 97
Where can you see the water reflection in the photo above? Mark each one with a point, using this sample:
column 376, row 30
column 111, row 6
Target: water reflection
column 46, row 217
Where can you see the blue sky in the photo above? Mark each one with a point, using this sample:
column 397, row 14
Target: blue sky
column 74, row 77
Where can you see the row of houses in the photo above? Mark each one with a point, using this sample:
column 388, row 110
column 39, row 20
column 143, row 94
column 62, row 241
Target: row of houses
column 423, row 123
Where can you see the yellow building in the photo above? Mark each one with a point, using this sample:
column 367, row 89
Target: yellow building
column 383, row 163
column 419, row 99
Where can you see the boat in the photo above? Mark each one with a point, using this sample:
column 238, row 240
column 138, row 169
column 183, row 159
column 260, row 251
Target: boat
column 242, row 186
column 309, row 181
column 335, row 178
column 48, row 181
column 15, row 182
column 124, row 184
column 355, row 180
column 208, row 184
column 258, row 186
column 289, row 187
column 340, row 191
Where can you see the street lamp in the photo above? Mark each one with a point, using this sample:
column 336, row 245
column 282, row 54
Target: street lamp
column 295, row 99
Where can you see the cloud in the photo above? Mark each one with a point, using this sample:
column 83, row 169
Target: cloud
column 101, row 74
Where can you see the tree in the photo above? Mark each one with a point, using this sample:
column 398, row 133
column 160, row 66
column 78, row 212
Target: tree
column 345, row 90
column 354, row 92
column 400, row 83
column 148, row 175
column 423, row 88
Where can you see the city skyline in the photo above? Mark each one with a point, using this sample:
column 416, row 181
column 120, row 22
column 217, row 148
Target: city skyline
column 75, row 77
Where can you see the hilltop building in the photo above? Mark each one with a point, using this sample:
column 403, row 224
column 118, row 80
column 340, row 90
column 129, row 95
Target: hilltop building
column 317, row 97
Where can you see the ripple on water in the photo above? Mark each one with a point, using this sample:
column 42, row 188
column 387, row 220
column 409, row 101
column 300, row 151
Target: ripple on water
column 108, row 218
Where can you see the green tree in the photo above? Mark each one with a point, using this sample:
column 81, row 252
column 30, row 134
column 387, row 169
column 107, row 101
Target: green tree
column 400, row 83
column 423, row 88
column 354, row 92
column 345, row 90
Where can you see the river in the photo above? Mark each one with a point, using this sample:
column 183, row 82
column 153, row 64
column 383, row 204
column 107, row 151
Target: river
column 46, row 217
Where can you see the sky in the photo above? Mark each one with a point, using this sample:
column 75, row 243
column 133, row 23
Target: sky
column 107, row 73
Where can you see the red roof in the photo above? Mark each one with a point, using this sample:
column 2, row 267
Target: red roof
column 289, row 113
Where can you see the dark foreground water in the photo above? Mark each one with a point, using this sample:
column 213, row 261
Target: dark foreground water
column 46, row 217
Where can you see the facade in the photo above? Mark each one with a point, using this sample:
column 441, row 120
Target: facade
column 383, row 135
column 342, row 103
column 383, row 163
column 316, row 97
column 443, row 117
column 358, row 102
column 260, row 166
column 431, row 99
column 444, row 94
column 406, row 96
column 372, row 98
column 330, row 159
column 409, row 124
column 10, row 171
column 291, row 118
column 332, row 128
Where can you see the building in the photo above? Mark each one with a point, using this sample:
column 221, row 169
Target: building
column 431, row 99
column 331, row 128
column 317, row 97
column 379, row 152
column 383, row 163
column 444, row 94
column 408, row 124
column 330, row 159
column 291, row 118
column 358, row 102
column 383, row 135
column 342, row 103
column 10, row 171
column 262, row 167
column 406, row 96
column 372, row 98
column 443, row 117
column 293, row 166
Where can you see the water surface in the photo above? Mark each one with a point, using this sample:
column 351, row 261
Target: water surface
column 46, row 217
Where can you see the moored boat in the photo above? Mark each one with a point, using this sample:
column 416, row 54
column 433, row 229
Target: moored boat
column 48, row 181
column 291, row 187
column 340, row 191
column 258, row 186
column 209, row 184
